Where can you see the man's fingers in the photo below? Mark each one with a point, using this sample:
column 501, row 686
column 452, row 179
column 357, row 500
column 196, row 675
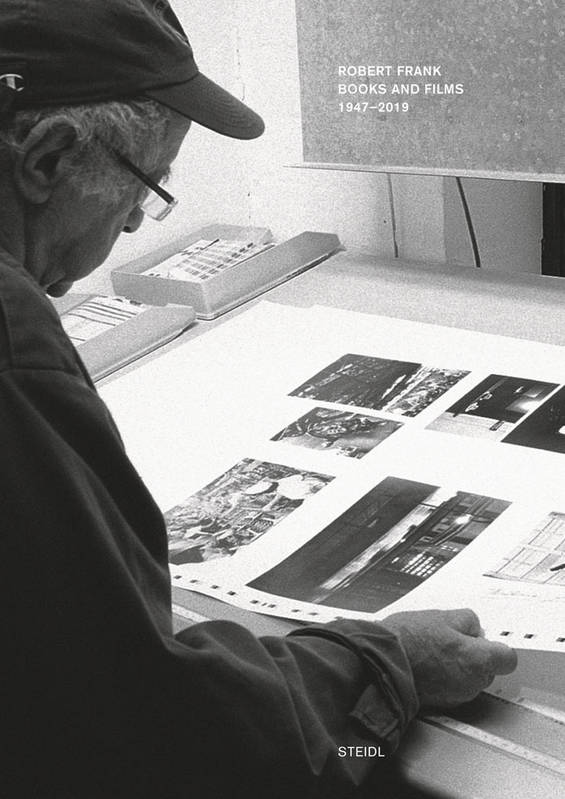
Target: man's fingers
column 498, row 658
column 464, row 620
column 504, row 658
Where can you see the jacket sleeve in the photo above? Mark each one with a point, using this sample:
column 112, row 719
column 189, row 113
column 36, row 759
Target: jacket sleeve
column 98, row 697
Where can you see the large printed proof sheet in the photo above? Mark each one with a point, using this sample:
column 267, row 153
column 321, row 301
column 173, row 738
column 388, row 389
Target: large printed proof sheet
column 317, row 463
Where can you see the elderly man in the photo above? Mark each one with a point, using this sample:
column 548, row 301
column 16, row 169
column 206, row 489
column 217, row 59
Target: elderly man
column 99, row 699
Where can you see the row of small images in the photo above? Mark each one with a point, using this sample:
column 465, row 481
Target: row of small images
column 402, row 388
column 397, row 536
column 391, row 540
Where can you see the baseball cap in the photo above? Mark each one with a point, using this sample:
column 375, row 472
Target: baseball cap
column 65, row 52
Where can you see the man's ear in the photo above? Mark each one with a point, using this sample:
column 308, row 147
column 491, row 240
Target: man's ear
column 42, row 159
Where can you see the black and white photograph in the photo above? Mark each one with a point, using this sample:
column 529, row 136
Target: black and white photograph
column 390, row 541
column 540, row 558
column 493, row 408
column 340, row 432
column 398, row 387
column 366, row 200
column 545, row 428
column 237, row 508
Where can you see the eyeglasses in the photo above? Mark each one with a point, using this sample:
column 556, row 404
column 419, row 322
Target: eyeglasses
column 158, row 203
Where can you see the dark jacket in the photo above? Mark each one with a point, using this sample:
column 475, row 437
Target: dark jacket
column 99, row 699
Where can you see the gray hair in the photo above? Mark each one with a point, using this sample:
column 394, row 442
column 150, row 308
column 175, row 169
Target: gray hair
column 135, row 128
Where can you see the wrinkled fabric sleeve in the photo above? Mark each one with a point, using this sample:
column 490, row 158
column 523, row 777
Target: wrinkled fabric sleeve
column 390, row 702
column 99, row 699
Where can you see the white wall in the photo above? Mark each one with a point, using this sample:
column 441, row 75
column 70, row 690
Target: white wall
column 507, row 218
column 249, row 46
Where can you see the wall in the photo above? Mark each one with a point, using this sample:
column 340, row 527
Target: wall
column 249, row 46
column 507, row 217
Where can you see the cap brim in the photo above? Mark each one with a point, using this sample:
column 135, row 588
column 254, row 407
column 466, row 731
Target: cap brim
column 206, row 103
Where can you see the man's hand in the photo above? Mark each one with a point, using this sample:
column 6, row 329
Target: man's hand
column 450, row 659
